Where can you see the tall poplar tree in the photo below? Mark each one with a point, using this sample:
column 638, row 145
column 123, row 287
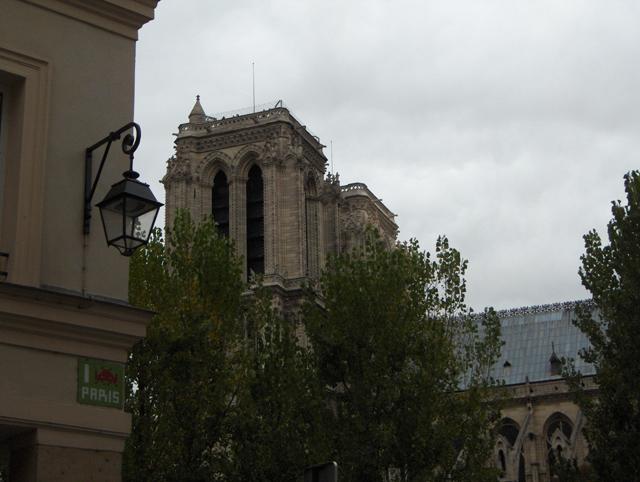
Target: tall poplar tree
column 221, row 390
column 186, row 373
column 282, row 412
column 407, row 364
column 612, row 274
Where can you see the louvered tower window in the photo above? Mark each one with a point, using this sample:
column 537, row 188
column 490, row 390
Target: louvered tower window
column 255, row 221
column 220, row 203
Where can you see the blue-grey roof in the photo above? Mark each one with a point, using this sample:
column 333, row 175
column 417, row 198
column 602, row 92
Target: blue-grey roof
column 529, row 333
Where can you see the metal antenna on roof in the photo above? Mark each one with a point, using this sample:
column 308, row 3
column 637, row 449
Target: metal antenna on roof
column 253, row 73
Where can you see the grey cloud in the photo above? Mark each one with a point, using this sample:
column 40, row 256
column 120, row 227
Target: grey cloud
column 505, row 125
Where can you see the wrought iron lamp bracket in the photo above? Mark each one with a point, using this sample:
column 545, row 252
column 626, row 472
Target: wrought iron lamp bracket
column 129, row 145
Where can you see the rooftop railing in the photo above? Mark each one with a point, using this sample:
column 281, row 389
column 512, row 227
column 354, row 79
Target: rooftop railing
column 247, row 114
column 361, row 188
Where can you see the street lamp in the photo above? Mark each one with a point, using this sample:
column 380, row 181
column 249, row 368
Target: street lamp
column 129, row 209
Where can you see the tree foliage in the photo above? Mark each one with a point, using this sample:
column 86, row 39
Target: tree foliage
column 397, row 344
column 4, row 470
column 221, row 389
column 208, row 401
column 185, row 373
column 283, row 412
column 612, row 274
column 566, row 469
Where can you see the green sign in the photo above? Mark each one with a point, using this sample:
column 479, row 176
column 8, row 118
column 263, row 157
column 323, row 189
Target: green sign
column 100, row 383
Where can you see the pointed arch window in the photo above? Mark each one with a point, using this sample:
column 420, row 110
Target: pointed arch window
column 255, row 221
column 220, row 203
column 508, row 436
column 522, row 477
column 510, row 431
column 559, row 431
column 502, row 462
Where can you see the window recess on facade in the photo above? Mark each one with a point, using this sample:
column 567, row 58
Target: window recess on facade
column 255, row 221
column 220, row 203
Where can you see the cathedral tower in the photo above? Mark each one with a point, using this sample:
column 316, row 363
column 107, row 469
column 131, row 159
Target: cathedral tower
column 263, row 177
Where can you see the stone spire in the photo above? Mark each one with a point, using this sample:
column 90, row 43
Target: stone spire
column 197, row 115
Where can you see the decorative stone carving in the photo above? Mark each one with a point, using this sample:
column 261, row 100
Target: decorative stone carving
column 177, row 169
column 271, row 149
column 304, row 212
column 295, row 146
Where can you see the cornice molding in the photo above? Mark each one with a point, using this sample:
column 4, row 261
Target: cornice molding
column 546, row 392
column 123, row 17
column 65, row 425
column 76, row 325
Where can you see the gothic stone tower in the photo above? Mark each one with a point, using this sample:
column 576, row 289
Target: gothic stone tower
column 263, row 177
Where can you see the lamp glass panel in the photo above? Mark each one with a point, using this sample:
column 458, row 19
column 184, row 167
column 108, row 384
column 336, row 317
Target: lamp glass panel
column 128, row 221
column 128, row 214
column 112, row 221
column 143, row 225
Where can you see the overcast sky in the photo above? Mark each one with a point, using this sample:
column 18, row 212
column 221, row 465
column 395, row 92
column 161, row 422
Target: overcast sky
column 506, row 125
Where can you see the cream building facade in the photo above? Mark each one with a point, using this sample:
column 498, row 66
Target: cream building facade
column 66, row 81
column 263, row 177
